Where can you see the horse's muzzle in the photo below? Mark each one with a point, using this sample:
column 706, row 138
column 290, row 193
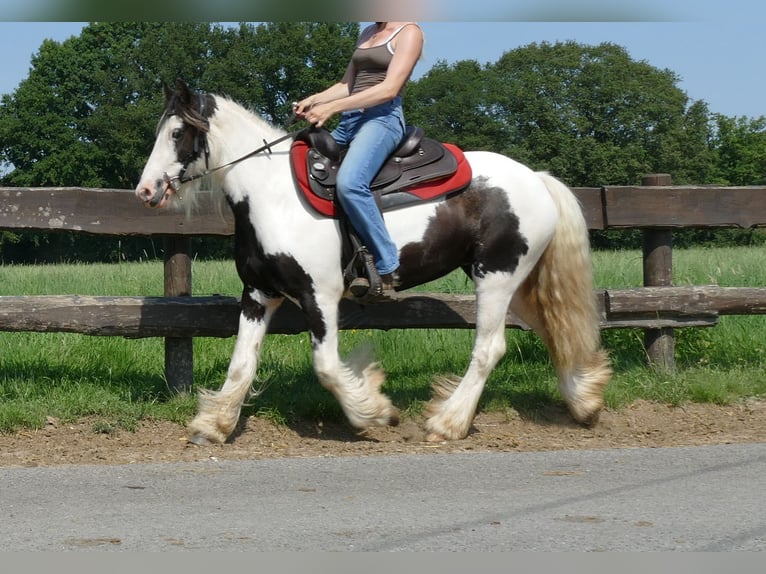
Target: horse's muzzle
column 159, row 194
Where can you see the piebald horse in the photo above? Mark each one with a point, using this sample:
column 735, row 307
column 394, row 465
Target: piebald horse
column 519, row 234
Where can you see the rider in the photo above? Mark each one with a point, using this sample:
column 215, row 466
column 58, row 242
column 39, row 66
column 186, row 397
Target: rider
column 369, row 98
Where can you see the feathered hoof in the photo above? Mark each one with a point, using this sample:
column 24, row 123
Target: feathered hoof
column 389, row 417
column 439, row 431
column 435, row 437
column 204, row 434
column 586, row 413
column 199, row 440
column 588, row 420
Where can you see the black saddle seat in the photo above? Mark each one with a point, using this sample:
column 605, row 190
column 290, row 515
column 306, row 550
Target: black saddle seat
column 322, row 141
column 410, row 142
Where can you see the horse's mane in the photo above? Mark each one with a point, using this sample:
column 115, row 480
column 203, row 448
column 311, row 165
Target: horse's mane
column 264, row 127
column 188, row 114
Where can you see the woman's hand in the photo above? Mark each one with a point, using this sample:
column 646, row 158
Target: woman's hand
column 318, row 108
column 300, row 108
column 318, row 114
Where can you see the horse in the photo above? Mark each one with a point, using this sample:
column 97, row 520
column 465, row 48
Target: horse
column 518, row 233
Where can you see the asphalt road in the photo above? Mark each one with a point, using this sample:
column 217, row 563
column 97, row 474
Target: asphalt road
column 700, row 498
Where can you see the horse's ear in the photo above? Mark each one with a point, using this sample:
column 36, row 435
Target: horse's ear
column 183, row 91
column 168, row 92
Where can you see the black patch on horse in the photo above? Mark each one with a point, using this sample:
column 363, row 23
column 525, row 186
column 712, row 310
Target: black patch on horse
column 476, row 231
column 274, row 275
column 195, row 110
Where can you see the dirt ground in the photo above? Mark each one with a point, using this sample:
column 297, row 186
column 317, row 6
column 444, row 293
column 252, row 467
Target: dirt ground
column 641, row 424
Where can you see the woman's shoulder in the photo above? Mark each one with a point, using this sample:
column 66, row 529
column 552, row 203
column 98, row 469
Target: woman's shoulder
column 408, row 25
column 374, row 28
column 388, row 33
column 412, row 29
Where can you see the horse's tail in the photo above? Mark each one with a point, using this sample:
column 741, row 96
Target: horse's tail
column 566, row 305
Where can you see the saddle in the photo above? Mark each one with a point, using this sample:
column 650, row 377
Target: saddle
column 420, row 169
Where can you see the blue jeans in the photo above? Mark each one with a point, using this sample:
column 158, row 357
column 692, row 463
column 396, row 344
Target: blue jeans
column 371, row 136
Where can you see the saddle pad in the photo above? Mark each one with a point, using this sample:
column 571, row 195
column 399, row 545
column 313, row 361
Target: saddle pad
column 421, row 191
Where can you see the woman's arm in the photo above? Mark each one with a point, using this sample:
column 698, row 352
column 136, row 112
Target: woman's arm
column 408, row 45
column 334, row 92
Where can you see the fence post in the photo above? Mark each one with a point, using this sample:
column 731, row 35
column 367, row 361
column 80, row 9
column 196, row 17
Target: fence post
column 658, row 272
column 179, row 352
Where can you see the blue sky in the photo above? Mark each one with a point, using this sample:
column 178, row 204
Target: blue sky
column 717, row 48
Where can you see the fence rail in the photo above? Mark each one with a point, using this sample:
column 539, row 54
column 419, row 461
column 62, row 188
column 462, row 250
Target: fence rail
column 117, row 212
column 656, row 207
column 217, row 316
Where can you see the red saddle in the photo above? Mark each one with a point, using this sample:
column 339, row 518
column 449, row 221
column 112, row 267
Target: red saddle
column 421, row 169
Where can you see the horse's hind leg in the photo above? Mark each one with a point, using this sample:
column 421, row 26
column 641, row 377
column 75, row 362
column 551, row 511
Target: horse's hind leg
column 451, row 411
column 219, row 411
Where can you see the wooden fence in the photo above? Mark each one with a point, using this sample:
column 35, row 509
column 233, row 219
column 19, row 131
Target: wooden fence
column 656, row 207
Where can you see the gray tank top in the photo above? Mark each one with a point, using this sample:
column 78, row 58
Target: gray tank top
column 371, row 64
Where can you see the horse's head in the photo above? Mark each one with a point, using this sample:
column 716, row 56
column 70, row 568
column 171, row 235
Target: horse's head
column 180, row 152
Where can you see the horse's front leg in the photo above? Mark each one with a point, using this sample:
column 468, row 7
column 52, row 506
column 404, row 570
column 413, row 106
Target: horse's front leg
column 356, row 383
column 219, row 411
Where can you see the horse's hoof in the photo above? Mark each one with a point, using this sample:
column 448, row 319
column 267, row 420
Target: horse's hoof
column 393, row 419
column 200, row 440
column 435, row 437
column 586, row 418
column 591, row 420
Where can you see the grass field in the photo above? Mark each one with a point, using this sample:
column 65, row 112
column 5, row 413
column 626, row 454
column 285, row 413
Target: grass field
column 119, row 381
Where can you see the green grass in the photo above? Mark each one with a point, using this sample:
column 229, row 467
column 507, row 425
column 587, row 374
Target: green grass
column 118, row 382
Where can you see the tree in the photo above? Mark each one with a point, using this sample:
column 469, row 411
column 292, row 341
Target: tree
column 87, row 113
column 740, row 144
column 689, row 155
column 268, row 66
column 590, row 114
column 455, row 103
column 90, row 104
column 298, row 59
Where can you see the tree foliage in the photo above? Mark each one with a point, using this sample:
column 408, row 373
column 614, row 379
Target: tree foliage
column 86, row 114
column 740, row 145
column 455, row 103
column 589, row 114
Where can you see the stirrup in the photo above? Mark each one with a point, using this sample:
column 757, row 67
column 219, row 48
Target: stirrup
column 369, row 284
column 359, row 287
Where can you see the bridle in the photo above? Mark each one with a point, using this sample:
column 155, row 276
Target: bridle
column 200, row 142
column 177, row 180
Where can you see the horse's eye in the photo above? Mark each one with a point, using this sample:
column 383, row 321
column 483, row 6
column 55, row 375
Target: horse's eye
column 177, row 133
